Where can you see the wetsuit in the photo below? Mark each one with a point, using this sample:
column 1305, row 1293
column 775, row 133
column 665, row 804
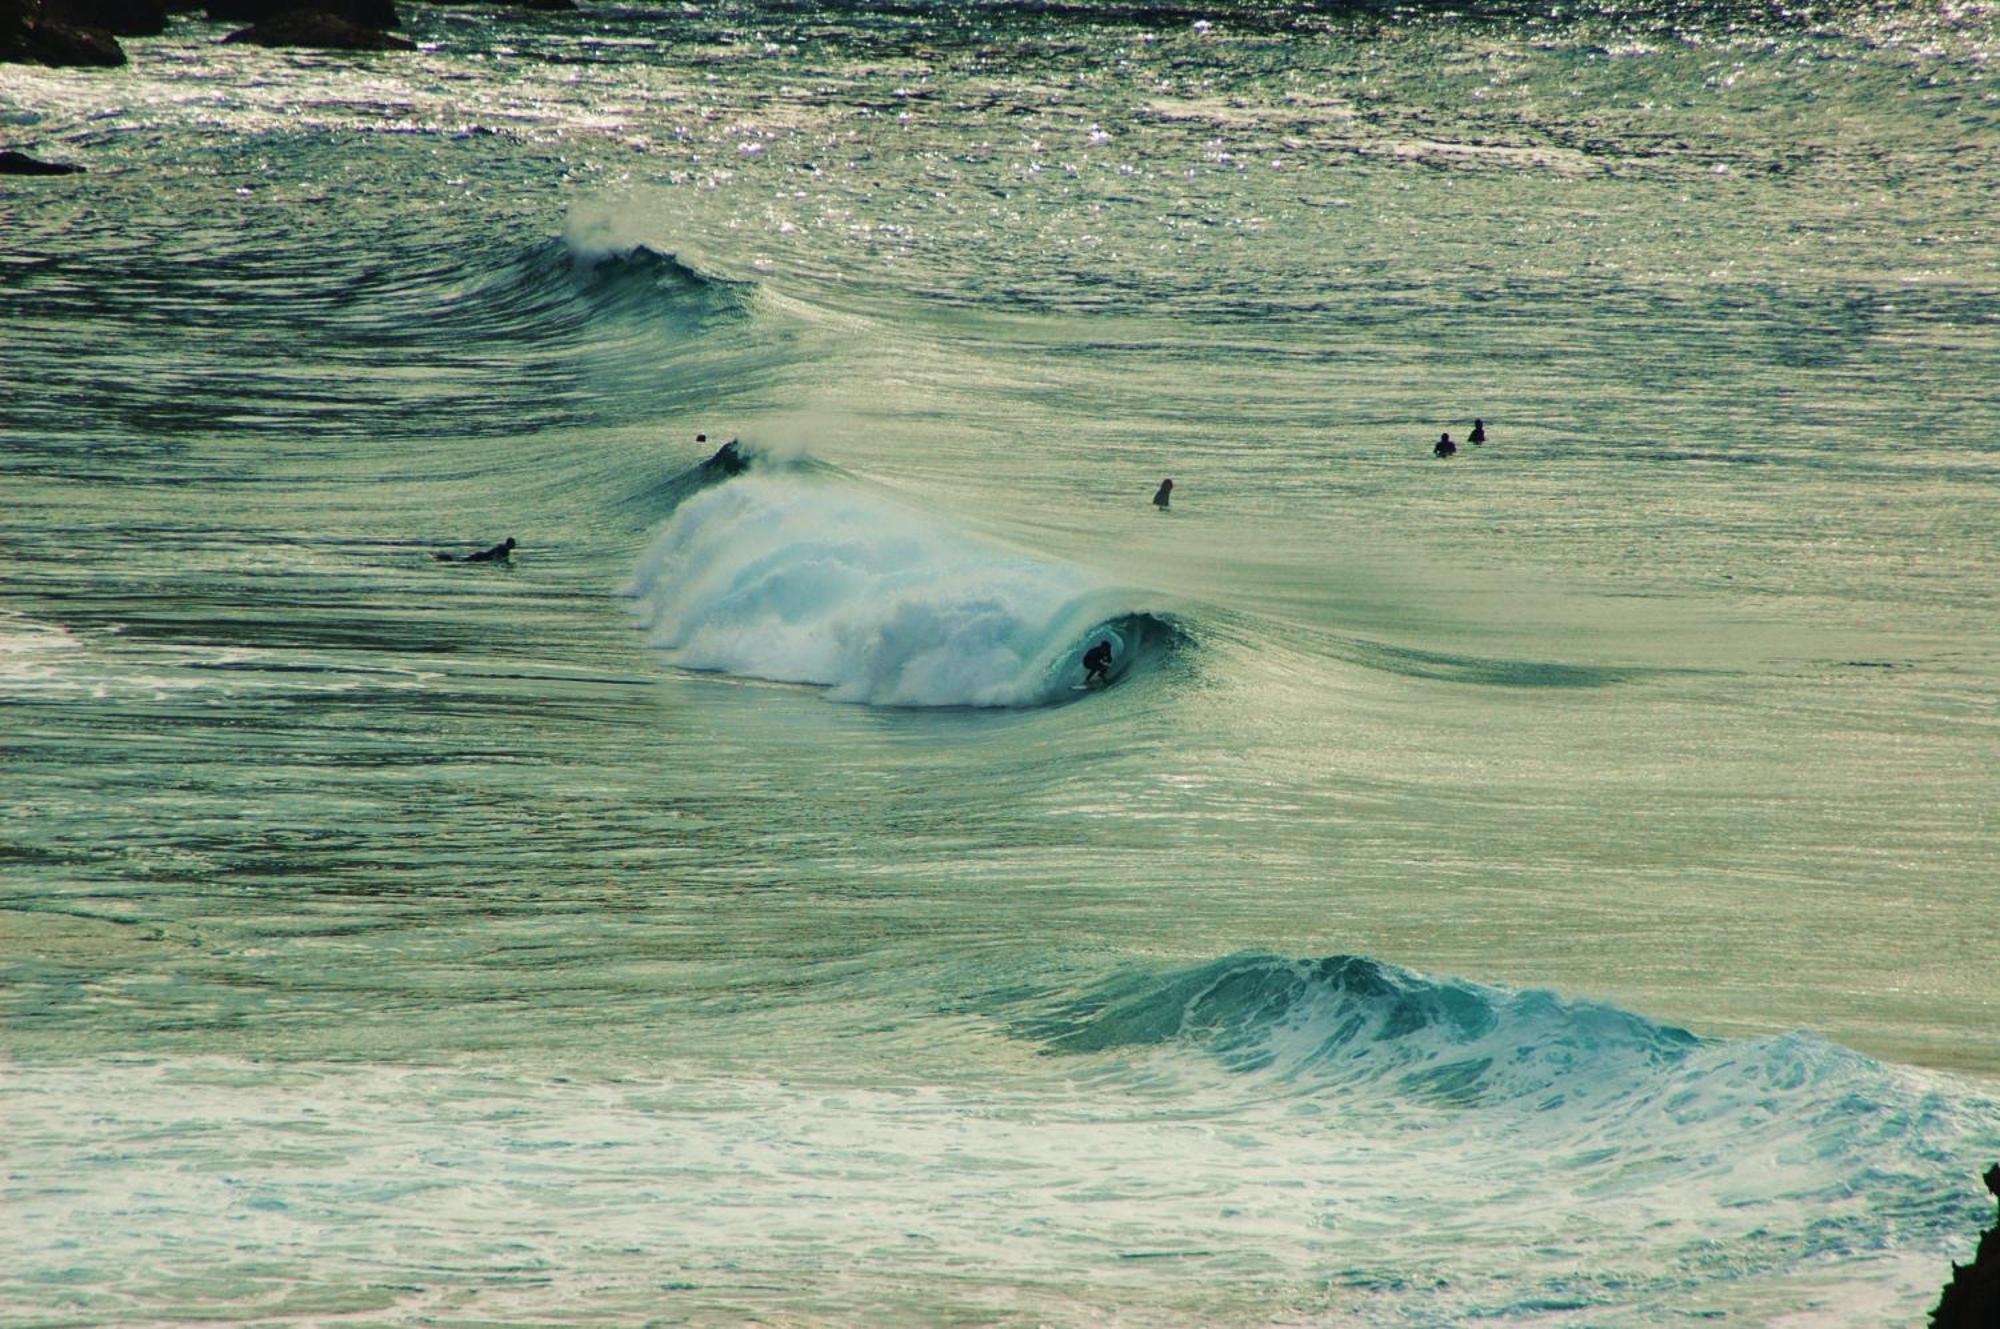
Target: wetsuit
column 499, row 551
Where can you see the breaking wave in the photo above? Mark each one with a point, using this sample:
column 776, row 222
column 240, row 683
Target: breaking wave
column 1577, row 1073
column 792, row 574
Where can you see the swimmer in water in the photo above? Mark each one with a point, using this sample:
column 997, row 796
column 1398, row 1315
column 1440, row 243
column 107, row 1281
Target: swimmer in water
column 1478, row 432
column 1097, row 663
column 1165, row 493
column 1444, row 447
column 497, row 554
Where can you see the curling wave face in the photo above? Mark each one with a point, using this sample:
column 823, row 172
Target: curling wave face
column 572, row 288
column 1610, row 1100
column 796, row 577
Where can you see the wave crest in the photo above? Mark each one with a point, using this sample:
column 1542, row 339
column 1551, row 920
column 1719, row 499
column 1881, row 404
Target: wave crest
column 561, row 289
column 1349, row 1019
column 787, row 575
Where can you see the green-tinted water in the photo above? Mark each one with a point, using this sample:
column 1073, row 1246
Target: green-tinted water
column 406, row 940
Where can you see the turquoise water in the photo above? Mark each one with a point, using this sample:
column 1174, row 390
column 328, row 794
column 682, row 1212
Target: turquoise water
column 1553, row 886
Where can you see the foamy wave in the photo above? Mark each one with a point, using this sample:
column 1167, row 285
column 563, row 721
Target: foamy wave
column 796, row 578
column 1569, row 1074
column 30, row 652
column 597, row 235
column 1349, row 1019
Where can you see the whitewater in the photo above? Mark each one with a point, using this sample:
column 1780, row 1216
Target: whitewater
column 1552, row 886
column 815, row 583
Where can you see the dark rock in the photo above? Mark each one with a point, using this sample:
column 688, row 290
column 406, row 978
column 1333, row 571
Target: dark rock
column 1972, row 1299
column 16, row 17
column 323, row 31
column 20, row 163
column 59, row 45
column 27, row 36
column 125, row 18
column 361, row 13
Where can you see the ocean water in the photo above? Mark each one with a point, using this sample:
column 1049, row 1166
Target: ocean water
column 1554, row 886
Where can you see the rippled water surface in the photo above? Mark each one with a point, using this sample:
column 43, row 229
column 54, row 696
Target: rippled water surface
column 1552, row 886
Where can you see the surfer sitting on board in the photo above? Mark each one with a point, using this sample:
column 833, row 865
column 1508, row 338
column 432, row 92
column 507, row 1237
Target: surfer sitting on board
column 1161, row 499
column 1097, row 663
column 1444, row 447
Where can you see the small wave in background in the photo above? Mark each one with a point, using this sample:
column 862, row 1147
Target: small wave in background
column 568, row 286
column 401, row 335
column 1356, row 1028
column 792, row 574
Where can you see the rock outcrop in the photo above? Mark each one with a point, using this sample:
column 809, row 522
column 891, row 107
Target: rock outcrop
column 361, row 13
column 321, row 31
column 1972, row 1299
column 122, row 18
column 27, row 36
column 566, row 6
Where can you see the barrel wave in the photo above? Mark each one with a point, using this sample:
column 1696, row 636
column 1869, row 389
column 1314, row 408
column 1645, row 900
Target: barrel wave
column 796, row 574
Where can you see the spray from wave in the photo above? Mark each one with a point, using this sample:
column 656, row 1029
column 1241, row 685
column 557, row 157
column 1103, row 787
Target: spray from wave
column 792, row 575
column 573, row 293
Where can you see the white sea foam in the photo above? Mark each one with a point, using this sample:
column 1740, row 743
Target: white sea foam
column 1139, row 1186
column 28, row 648
column 798, row 578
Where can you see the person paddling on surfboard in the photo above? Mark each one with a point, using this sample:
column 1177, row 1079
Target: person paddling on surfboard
column 1097, row 663
column 499, row 553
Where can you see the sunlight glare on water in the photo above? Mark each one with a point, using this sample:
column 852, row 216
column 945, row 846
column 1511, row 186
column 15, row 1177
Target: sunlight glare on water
column 1548, row 886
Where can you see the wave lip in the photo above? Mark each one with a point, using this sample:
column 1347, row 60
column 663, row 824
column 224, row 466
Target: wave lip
column 1354, row 1021
column 1589, row 1101
column 1373, row 1035
column 785, row 575
column 561, row 288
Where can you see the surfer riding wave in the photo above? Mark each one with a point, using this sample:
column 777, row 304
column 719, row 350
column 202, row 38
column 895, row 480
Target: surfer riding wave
column 801, row 575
